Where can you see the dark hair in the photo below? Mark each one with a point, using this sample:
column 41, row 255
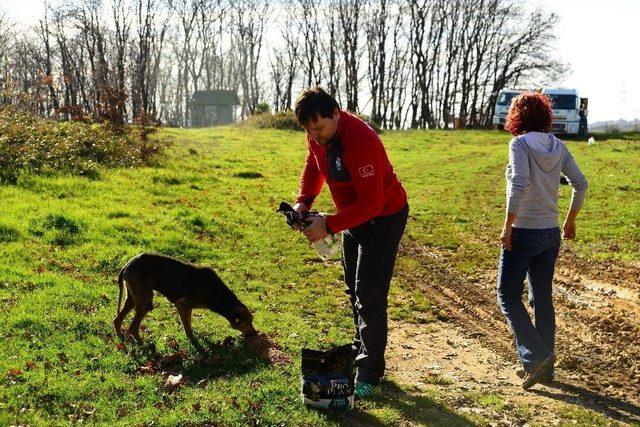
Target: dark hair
column 314, row 101
column 529, row 112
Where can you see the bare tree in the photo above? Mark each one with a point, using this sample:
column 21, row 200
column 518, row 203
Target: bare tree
column 306, row 17
column 88, row 15
column 429, row 62
column 249, row 20
column 395, row 89
column 142, row 56
column 331, row 49
column 276, row 60
column 525, row 55
column 377, row 31
column 48, row 78
column 122, row 27
column 186, row 12
column 349, row 17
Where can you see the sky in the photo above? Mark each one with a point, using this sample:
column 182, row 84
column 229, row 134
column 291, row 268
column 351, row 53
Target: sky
column 598, row 39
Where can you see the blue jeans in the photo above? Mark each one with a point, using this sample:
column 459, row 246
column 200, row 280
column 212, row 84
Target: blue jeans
column 533, row 254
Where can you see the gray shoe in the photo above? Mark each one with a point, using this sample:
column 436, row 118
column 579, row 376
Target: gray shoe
column 538, row 371
column 546, row 378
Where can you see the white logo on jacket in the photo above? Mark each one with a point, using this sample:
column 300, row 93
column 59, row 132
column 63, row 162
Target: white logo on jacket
column 338, row 163
column 366, row 171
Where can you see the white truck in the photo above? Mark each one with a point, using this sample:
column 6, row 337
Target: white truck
column 569, row 111
column 502, row 106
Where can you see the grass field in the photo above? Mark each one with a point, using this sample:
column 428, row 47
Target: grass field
column 212, row 200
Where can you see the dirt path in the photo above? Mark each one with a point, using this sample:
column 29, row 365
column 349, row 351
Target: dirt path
column 445, row 357
column 598, row 339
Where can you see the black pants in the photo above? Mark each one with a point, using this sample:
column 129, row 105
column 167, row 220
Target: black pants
column 368, row 256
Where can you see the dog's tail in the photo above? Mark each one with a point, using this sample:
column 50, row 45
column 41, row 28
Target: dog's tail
column 121, row 285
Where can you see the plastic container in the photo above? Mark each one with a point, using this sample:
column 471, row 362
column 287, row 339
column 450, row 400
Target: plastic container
column 328, row 247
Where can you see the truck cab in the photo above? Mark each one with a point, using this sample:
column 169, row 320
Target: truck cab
column 569, row 111
column 503, row 102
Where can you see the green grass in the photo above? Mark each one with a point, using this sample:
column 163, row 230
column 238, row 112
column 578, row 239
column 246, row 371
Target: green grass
column 212, row 200
column 455, row 182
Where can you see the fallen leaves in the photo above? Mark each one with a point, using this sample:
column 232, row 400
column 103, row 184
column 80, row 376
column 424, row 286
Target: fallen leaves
column 168, row 363
column 14, row 373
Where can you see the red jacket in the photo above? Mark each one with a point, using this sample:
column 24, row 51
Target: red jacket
column 361, row 179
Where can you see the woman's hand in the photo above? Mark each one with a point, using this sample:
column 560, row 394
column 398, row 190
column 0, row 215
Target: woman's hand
column 505, row 238
column 569, row 229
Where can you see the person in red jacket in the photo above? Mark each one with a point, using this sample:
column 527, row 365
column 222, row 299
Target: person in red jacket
column 372, row 210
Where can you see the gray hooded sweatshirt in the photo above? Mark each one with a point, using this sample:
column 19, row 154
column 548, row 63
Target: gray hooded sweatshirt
column 536, row 161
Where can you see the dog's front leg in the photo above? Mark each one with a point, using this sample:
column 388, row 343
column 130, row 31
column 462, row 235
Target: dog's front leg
column 184, row 310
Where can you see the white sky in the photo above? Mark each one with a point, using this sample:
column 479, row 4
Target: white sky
column 599, row 39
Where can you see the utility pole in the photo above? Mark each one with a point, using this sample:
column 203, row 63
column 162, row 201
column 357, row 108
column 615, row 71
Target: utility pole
column 623, row 99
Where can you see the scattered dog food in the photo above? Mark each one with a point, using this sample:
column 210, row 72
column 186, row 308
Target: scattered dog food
column 267, row 348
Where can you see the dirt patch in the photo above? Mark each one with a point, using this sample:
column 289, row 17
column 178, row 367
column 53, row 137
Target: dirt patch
column 444, row 356
column 598, row 337
column 267, row 348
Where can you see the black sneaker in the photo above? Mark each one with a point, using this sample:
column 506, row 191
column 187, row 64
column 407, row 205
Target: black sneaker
column 537, row 372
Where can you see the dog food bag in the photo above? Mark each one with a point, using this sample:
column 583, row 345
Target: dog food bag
column 327, row 378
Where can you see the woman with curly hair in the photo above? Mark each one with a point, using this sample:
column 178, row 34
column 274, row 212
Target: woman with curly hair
column 531, row 236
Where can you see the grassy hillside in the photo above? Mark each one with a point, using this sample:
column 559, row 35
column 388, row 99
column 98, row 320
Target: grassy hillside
column 456, row 187
column 212, row 200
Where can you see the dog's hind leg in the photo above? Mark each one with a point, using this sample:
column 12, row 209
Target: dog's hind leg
column 117, row 322
column 142, row 307
column 185, row 316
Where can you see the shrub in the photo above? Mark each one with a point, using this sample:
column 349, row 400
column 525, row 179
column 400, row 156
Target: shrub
column 285, row 120
column 262, row 108
column 30, row 144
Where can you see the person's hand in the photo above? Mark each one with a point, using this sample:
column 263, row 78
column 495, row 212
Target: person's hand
column 301, row 208
column 505, row 238
column 569, row 229
column 317, row 228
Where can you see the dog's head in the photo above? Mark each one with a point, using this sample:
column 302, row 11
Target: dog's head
column 242, row 320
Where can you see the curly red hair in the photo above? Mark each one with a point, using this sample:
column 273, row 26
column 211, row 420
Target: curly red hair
column 529, row 112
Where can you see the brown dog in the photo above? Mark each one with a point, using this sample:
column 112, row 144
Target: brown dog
column 188, row 286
